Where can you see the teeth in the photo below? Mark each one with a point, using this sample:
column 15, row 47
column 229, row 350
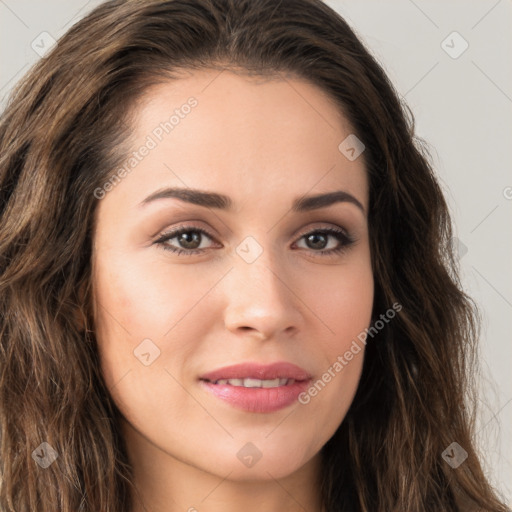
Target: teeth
column 256, row 383
column 273, row 383
column 251, row 383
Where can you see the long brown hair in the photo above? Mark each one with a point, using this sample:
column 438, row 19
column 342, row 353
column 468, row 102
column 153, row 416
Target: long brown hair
column 64, row 131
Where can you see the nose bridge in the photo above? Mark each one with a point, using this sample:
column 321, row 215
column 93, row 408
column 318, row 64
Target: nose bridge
column 258, row 294
column 261, row 271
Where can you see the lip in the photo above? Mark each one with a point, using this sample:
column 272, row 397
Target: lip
column 280, row 369
column 257, row 400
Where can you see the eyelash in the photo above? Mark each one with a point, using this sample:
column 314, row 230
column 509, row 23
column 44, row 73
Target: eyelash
column 345, row 239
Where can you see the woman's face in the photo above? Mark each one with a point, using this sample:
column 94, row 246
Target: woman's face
column 263, row 284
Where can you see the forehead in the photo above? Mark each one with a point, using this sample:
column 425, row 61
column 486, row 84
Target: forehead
column 252, row 104
column 219, row 130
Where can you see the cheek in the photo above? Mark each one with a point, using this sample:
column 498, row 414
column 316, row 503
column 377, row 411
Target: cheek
column 143, row 307
column 135, row 309
column 330, row 396
column 344, row 304
column 144, row 298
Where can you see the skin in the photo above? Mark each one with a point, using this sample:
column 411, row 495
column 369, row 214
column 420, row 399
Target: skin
column 263, row 143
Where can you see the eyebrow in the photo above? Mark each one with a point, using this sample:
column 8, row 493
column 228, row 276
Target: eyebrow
column 222, row 202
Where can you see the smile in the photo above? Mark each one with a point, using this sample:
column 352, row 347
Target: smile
column 255, row 387
column 256, row 383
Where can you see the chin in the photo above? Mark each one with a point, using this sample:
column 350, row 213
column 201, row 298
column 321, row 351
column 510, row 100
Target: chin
column 260, row 460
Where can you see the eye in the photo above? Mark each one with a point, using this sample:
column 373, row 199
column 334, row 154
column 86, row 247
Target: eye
column 318, row 239
column 189, row 240
column 188, row 236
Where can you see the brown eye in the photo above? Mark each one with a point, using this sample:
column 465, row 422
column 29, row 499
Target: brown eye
column 318, row 240
column 188, row 240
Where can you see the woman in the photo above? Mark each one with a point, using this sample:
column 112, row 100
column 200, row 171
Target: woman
column 178, row 330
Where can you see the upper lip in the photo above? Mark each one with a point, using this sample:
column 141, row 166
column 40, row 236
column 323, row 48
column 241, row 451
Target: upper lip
column 281, row 369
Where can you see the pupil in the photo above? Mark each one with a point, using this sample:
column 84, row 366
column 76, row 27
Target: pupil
column 315, row 236
column 188, row 240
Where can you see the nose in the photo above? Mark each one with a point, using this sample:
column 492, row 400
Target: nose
column 261, row 299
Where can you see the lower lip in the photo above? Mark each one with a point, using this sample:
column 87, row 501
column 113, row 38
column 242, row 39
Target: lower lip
column 257, row 399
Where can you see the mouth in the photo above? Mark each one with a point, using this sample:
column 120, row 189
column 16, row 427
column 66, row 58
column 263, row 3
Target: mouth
column 257, row 388
column 254, row 383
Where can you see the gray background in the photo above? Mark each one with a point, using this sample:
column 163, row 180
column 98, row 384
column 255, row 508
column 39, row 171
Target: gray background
column 462, row 101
